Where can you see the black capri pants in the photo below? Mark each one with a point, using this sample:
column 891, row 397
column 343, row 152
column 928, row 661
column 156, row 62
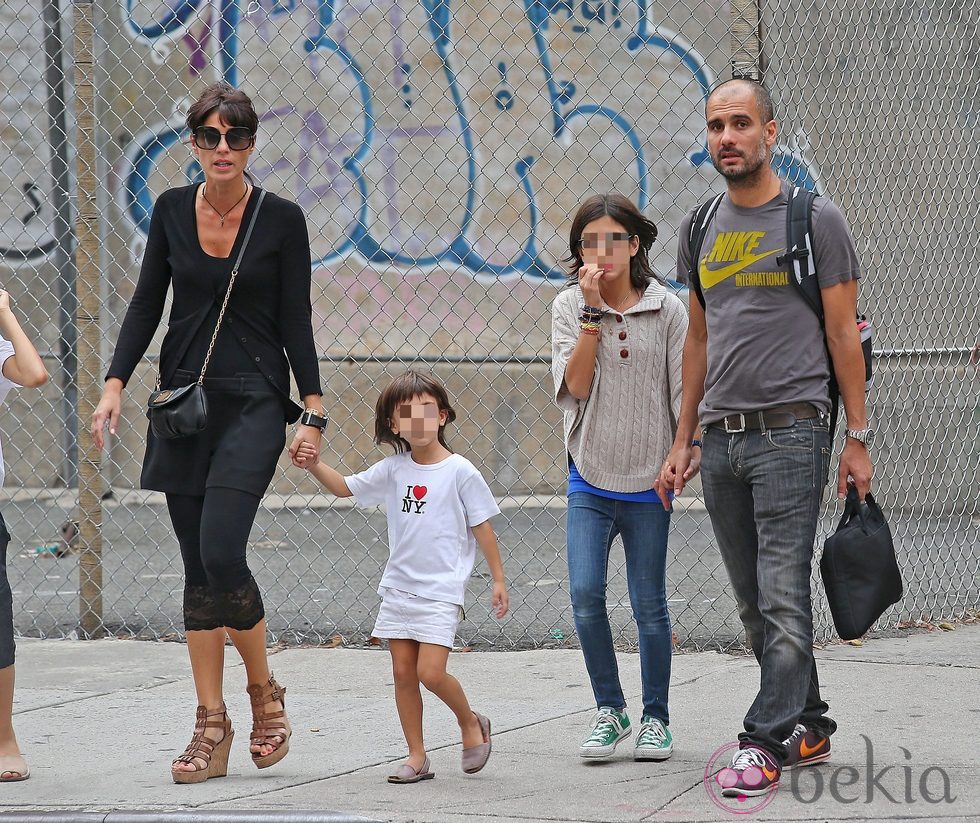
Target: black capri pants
column 212, row 530
column 214, row 482
column 6, row 603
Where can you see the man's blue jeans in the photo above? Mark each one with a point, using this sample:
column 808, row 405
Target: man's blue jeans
column 592, row 524
column 763, row 491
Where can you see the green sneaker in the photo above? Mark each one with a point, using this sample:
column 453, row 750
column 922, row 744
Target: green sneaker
column 654, row 741
column 608, row 728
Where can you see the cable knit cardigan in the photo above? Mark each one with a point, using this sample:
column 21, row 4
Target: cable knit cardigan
column 621, row 434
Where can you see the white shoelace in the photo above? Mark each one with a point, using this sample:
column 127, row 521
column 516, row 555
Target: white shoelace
column 798, row 732
column 748, row 757
column 654, row 729
column 602, row 719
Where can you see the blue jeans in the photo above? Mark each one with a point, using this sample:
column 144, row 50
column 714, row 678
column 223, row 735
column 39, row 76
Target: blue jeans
column 591, row 525
column 763, row 492
column 6, row 605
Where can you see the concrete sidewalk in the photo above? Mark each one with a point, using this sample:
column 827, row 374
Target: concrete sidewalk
column 100, row 722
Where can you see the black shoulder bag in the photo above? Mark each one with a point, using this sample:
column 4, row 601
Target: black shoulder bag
column 182, row 412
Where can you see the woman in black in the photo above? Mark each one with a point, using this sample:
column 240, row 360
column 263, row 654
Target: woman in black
column 215, row 480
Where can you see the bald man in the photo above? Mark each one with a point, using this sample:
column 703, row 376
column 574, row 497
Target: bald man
column 758, row 391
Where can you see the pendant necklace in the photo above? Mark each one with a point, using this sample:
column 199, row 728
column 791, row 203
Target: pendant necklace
column 221, row 217
column 629, row 295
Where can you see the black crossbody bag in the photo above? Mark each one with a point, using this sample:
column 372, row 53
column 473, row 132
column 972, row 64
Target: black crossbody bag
column 183, row 412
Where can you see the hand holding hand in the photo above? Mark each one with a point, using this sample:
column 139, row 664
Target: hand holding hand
column 305, row 448
column 682, row 463
column 305, row 455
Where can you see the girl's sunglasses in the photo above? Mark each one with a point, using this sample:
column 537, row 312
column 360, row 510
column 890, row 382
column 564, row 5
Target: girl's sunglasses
column 238, row 138
column 591, row 242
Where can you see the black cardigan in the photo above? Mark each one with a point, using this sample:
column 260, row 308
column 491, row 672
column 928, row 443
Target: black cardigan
column 269, row 312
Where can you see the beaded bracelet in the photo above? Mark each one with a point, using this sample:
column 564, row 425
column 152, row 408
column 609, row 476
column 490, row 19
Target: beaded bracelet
column 590, row 328
column 592, row 313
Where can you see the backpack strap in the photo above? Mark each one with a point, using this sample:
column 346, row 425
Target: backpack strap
column 803, row 274
column 695, row 240
column 799, row 242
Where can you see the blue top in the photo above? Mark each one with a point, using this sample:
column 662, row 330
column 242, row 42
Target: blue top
column 576, row 483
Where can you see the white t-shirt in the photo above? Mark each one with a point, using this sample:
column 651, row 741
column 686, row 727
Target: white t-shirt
column 6, row 384
column 431, row 511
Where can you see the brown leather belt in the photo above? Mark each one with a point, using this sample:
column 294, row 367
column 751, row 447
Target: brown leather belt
column 781, row 417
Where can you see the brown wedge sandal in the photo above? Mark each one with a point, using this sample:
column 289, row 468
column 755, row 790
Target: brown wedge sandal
column 201, row 749
column 269, row 728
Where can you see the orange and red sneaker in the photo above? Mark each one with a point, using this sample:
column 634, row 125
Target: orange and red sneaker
column 805, row 747
column 753, row 771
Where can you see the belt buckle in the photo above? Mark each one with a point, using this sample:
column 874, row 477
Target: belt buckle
column 728, row 429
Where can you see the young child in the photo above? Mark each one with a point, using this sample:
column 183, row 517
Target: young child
column 20, row 365
column 438, row 508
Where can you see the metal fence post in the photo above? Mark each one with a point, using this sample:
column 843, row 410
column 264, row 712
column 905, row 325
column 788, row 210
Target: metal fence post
column 89, row 366
column 63, row 257
column 746, row 39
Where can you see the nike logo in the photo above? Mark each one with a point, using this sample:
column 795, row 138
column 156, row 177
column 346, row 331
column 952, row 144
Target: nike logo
column 771, row 774
column 806, row 751
column 712, row 277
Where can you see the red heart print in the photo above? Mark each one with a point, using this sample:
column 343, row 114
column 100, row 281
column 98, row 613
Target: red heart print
column 419, row 492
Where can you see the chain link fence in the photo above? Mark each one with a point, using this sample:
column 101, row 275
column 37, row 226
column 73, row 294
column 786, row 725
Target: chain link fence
column 439, row 149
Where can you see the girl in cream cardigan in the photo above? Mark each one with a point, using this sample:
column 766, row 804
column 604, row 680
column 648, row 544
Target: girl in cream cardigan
column 617, row 339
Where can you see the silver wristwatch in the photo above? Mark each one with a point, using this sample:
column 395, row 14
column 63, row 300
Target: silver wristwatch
column 865, row 436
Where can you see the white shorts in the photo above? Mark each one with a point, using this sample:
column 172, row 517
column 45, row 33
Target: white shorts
column 405, row 616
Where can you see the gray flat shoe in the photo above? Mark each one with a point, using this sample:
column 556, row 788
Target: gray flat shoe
column 15, row 766
column 476, row 757
column 406, row 774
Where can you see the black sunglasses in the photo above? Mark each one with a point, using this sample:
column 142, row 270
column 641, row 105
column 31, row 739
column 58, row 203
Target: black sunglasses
column 610, row 239
column 238, row 138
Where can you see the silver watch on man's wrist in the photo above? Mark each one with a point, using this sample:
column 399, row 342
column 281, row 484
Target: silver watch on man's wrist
column 865, row 435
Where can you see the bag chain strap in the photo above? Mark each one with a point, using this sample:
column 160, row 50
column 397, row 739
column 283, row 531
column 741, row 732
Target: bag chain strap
column 221, row 316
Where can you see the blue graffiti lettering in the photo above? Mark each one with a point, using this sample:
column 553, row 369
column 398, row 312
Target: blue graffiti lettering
column 345, row 160
column 503, row 95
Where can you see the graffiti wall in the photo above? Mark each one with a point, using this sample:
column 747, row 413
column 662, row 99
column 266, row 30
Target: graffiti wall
column 438, row 148
column 25, row 159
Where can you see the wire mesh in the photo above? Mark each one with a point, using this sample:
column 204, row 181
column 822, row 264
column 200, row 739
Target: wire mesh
column 438, row 150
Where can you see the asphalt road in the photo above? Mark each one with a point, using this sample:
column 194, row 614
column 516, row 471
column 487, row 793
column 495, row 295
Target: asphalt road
column 318, row 569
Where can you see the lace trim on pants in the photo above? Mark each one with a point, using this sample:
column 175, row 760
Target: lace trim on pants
column 200, row 610
column 241, row 609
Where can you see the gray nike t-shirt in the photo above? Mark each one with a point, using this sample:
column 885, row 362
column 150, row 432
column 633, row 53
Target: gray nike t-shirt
column 765, row 344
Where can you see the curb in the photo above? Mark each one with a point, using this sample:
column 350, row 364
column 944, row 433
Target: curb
column 183, row 816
